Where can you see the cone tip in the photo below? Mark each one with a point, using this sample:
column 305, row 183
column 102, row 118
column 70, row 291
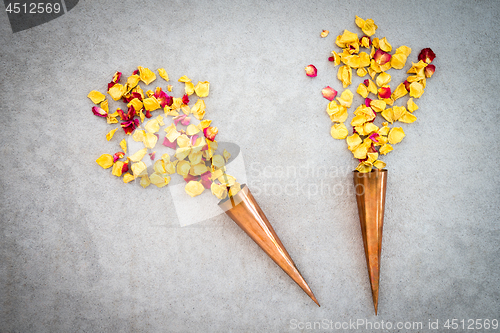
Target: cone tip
column 315, row 300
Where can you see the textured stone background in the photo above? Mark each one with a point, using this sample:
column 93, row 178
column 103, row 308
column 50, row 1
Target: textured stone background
column 81, row 251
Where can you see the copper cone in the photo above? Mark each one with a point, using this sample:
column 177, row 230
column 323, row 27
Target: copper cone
column 370, row 195
column 245, row 211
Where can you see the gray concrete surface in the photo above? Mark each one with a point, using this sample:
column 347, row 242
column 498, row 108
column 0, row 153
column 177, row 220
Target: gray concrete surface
column 82, row 252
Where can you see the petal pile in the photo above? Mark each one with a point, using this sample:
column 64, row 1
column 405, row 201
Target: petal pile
column 368, row 141
column 193, row 142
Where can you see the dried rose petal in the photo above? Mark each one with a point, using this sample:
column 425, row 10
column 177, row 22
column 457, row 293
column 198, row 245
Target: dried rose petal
column 381, row 57
column 311, row 71
column 365, row 41
column 185, row 99
column 384, row 92
column 368, row 101
column 210, row 132
column 125, row 167
column 99, row 112
column 169, row 143
column 129, row 126
column 329, row 93
column 429, row 70
column 407, row 85
column 96, row 97
column 105, row 161
column 118, row 155
column 324, row 33
column 426, row 55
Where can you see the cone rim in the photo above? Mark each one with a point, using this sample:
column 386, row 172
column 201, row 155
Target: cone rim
column 227, row 204
column 373, row 170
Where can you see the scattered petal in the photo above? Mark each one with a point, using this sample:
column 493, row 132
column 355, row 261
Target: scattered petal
column 429, row 70
column 202, row 88
column 219, row 190
column 96, row 97
column 110, row 134
column 339, row 131
column 426, row 55
column 311, row 71
column 194, row 188
column 163, row 74
column 396, row 135
column 105, row 161
column 137, row 156
column 146, row 75
column 99, row 112
column 324, row 33
column 329, row 93
column 210, row 132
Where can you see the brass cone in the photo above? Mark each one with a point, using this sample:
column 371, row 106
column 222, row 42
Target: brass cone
column 370, row 196
column 245, row 211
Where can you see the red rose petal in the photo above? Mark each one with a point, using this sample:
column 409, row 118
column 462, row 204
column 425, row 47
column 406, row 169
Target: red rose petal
column 311, row 71
column 426, row 55
column 329, row 93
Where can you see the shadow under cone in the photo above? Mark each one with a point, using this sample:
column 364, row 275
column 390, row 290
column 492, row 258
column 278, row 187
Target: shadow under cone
column 370, row 196
column 245, row 211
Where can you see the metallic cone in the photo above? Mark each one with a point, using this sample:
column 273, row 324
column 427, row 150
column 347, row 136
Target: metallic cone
column 245, row 211
column 370, row 195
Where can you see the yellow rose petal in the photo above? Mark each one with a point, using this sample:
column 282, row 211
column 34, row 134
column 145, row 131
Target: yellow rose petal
column 96, row 97
column 139, row 135
column 159, row 180
column 163, row 74
column 396, row 135
column 183, row 168
column 110, row 134
column 416, row 89
column 146, row 75
column 364, row 167
column 411, row 105
column 353, row 141
column 383, row 79
column 198, row 169
column 117, row 168
column 218, row 161
column 123, row 145
column 362, row 90
column 407, row 117
column 384, row 45
column 189, row 88
column 151, row 104
column 104, row 105
column 219, row 190
column 345, row 98
column 379, row 164
column 150, row 140
column 226, row 155
column 339, row 131
column 127, row 178
column 202, row 88
column 139, row 169
column 152, row 126
column 116, row 92
column 399, row 92
column 192, row 129
column 105, row 161
column 386, row 148
column 194, row 188
column 138, row 155
column 198, row 109
column 145, row 182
